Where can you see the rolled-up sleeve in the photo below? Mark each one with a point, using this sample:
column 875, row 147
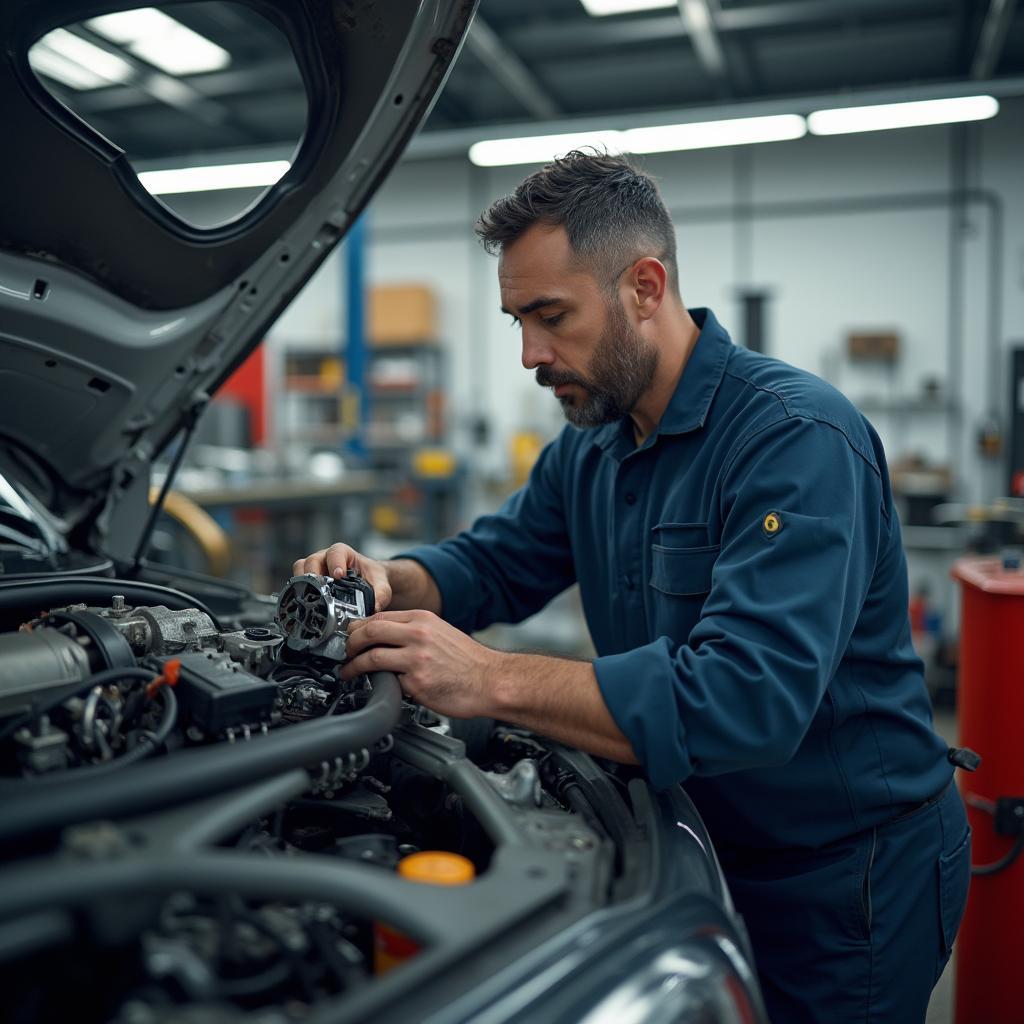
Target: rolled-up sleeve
column 508, row 565
column 801, row 514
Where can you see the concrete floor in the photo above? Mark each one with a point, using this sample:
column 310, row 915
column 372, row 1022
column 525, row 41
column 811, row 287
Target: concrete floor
column 940, row 1009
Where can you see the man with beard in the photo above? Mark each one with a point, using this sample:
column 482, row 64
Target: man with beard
column 730, row 523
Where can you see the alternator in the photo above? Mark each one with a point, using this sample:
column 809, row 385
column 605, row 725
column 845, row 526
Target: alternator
column 315, row 613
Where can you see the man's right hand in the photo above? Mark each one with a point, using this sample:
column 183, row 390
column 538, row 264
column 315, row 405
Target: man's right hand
column 338, row 559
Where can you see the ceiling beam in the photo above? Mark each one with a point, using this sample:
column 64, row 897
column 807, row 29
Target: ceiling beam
column 274, row 77
column 699, row 19
column 571, row 35
column 993, row 37
column 503, row 63
column 166, row 89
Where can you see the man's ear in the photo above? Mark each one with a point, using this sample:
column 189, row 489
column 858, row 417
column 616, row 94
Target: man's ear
column 648, row 281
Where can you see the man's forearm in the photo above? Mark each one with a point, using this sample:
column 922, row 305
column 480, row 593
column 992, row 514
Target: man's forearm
column 412, row 586
column 560, row 699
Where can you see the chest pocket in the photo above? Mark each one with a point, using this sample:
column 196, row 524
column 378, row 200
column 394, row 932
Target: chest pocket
column 680, row 582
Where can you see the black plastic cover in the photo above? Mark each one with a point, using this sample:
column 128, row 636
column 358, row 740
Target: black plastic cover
column 216, row 694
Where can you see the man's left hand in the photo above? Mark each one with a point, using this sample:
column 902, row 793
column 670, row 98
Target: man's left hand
column 439, row 665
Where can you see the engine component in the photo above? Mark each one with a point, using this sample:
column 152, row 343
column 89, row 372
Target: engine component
column 43, row 750
column 316, row 612
column 255, row 648
column 520, row 785
column 39, row 662
column 218, row 694
column 201, row 772
column 428, row 867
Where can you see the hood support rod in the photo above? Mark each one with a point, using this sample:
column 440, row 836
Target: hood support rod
column 191, row 422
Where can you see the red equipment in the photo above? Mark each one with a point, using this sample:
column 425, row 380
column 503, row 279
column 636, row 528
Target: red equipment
column 990, row 697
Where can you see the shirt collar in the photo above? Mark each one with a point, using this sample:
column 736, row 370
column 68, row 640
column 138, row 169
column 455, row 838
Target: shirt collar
column 688, row 408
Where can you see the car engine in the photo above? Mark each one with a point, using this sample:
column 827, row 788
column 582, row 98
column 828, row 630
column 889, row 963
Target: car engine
column 203, row 821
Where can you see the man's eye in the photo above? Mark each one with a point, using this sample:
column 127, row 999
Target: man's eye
column 552, row 321
column 514, row 322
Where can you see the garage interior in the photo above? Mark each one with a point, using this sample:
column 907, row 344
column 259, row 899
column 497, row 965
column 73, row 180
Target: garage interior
column 388, row 407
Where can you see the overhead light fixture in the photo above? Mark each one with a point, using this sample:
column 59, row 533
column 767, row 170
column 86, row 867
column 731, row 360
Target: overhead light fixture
column 45, row 61
column 214, row 178
column 67, row 58
column 599, row 8
column 161, row 41
column 539, row 149
column 844, row 120
column 738, row 131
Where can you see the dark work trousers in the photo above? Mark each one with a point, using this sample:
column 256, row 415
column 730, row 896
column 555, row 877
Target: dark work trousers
column 859, row 930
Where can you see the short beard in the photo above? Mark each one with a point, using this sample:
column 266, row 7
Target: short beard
column 620, row 371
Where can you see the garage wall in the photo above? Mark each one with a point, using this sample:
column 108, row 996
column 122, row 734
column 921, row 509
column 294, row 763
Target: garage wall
column 780, row 217
column 767, row 217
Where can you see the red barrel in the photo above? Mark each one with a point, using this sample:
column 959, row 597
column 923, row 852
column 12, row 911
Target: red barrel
column 990, row 698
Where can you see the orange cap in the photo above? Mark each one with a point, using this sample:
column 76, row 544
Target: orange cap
column 437, row 867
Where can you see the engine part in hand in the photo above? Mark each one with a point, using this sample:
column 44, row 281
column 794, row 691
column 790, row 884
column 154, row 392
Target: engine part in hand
column 315, row 612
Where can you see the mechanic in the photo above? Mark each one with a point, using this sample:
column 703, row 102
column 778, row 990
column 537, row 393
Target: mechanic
column 730, row 522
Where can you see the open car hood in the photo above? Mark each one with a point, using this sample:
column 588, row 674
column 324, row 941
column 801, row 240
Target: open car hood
column 117, row 319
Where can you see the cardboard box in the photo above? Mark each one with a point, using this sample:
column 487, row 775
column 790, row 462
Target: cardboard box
column 402, row 314
column 882, row 346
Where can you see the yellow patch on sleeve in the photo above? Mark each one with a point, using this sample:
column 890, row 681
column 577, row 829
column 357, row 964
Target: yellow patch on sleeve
column 772, row 523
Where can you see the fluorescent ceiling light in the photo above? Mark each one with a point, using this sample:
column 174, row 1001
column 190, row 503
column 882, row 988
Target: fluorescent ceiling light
column 210, row 179
column 162, row 41
column 902, row 115
column 539, row 149
column 76, row 62
column 738, row 131
column 599, row 8
column 45, row 61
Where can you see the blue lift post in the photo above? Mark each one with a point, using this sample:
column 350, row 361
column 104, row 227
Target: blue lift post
column 354, row 351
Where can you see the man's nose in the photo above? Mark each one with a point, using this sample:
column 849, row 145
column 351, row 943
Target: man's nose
column 535, row 351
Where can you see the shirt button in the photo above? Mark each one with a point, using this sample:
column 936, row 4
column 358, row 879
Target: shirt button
column 631, row 498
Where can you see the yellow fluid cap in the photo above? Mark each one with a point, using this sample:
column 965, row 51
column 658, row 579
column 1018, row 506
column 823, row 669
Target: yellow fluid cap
column 437, row 867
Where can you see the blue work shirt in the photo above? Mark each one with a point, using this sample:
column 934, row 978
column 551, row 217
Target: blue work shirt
column 744, row 582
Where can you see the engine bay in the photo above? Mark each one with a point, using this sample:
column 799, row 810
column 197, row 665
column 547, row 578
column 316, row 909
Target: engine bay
column 201, row 820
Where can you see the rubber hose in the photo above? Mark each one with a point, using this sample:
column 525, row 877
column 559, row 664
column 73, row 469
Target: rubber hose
column 191, row 774
column 44, row 707
column 148, row 744
column 60, row 591
column 356, row 888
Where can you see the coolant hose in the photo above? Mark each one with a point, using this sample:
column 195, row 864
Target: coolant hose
column 190, row 774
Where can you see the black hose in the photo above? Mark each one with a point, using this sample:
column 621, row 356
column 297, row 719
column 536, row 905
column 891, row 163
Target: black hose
column 255, row 984
column 149, row 743
column 191, row 774
column 108, row 675
column 61, row 591
column 361, row 890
